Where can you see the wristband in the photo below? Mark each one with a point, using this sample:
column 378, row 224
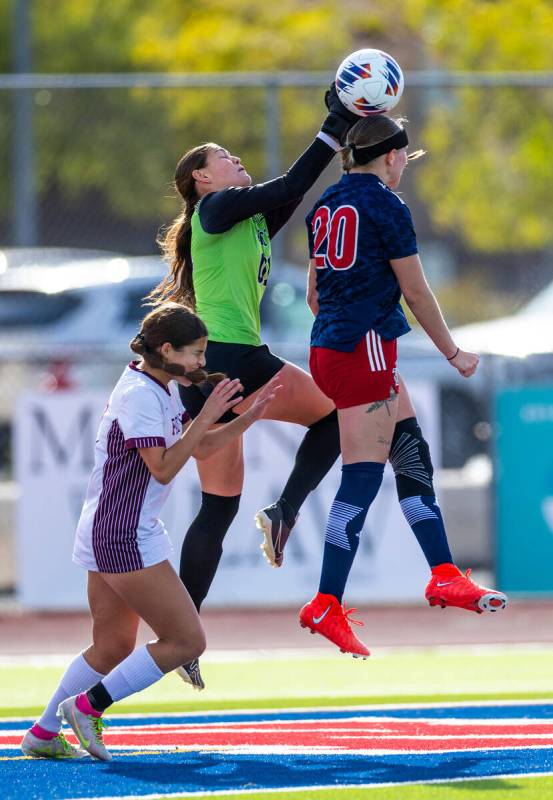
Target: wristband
column 455, row 354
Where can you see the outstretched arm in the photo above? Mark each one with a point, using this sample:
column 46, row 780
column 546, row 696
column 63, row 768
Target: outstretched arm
column 422, row 302
column 219, row 211
column 215, row 439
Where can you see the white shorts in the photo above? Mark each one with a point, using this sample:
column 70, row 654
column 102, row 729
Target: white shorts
column 116, row 553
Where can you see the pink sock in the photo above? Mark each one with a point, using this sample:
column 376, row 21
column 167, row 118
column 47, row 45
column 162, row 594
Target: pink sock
column 42, row 733
column 83, row 704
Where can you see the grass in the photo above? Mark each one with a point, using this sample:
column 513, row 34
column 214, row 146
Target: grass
column 403, row 677
column 428, row 676
column 493, row 789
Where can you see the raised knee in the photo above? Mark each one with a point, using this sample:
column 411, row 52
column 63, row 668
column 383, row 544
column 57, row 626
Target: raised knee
column 410, row 459
column 191, row 646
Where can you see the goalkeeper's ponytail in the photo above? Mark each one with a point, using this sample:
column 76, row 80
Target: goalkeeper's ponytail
column 176, row 240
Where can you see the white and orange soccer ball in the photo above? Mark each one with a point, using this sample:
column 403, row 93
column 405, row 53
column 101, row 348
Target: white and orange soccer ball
column 369, row 82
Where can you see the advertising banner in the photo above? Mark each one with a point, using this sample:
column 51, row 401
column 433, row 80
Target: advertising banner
column 54, row 443
column 524, row 490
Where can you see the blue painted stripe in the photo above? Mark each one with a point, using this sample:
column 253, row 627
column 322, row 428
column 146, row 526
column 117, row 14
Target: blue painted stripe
column 504, row 711
column 209, row 771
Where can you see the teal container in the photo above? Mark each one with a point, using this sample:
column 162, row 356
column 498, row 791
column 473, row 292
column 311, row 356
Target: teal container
column 524, row 490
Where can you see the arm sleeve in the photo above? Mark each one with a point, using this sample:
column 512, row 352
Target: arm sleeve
column 219, row 211
column 397, row 232
column 278, row 217
column 141, row 420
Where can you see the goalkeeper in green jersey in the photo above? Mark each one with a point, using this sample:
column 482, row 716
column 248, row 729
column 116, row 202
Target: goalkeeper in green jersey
column 219, row 252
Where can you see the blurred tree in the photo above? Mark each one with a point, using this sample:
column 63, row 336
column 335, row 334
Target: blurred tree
column 126, row 143
column 5, row 35
column 488, row 179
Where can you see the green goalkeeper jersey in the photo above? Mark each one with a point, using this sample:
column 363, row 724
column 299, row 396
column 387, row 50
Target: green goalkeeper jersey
column 231, row 245
column 230, row 272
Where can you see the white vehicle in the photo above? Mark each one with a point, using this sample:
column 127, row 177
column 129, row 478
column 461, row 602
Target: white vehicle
column 69, row 324
column 98, row 302
column 95, row 303
column 24, row 258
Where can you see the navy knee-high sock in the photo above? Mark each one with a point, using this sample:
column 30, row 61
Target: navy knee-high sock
column 358, row 488
column 410, row 458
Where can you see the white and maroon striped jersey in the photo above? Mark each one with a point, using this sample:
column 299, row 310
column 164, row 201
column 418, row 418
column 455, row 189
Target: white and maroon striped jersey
column 123, row 499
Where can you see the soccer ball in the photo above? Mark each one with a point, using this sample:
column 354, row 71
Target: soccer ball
column 369, row 82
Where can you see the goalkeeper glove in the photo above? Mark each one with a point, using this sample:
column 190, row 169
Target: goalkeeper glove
column 339, row 119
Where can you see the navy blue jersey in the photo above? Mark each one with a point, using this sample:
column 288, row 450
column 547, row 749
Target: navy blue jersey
column 354, row 230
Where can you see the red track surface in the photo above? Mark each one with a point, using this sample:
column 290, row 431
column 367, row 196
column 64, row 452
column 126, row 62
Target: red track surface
column 324, row 735
column 521, row 622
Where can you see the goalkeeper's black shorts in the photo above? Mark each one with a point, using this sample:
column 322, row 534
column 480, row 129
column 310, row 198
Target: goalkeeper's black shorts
column 255, row 365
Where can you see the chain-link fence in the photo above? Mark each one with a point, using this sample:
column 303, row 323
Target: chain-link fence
column 87, row 161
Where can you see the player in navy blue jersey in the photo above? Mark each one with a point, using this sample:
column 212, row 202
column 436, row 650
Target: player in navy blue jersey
column 364, row 256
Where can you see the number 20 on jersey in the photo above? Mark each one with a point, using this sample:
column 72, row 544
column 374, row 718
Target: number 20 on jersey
column 335, row 237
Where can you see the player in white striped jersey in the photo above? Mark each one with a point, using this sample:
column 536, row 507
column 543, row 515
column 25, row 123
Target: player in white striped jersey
column 145, row 438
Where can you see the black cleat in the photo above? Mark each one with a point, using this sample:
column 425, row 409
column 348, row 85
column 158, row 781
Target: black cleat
column 275, row 531
column 190, row 673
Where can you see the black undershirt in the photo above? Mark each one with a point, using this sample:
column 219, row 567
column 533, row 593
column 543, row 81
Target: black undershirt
column 276, row 199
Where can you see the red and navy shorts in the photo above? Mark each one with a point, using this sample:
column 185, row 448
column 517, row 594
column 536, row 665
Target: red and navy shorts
column 367, row 374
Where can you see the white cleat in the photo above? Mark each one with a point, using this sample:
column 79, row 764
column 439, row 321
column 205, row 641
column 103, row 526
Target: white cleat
column 87, row 728
column 272, row 524
column 492, row 601
column 190, row 673
column 58, row 747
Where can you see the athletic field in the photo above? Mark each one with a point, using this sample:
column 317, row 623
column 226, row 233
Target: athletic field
column 465, row 721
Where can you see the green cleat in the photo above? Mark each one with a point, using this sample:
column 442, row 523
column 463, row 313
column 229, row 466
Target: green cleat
column 88, row 728
column 58, row 747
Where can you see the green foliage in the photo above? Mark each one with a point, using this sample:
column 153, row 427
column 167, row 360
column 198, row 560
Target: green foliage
column 125, row 143
column 85, row 35
column 5, row 35
column 489, row 171
column 488, row 178
column 245, row 36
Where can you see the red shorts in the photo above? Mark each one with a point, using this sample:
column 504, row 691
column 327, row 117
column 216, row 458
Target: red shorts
column 350, row 379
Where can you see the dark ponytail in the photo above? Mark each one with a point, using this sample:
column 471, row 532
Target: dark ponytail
column 175, row 241
column 174, row 323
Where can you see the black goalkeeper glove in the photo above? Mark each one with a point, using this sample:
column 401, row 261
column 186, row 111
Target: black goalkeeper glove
column 339, row 119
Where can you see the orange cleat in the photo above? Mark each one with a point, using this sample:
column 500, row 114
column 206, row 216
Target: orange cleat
column 326, row 616
column 459, row 591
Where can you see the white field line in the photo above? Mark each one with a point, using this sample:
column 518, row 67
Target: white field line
column 282, row 750
column 245, row 713
column 324, row 748
column 339, row 733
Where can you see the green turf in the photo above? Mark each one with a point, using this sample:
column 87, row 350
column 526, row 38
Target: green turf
column 402, row 677
column 428, row 676
column 507, row 789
